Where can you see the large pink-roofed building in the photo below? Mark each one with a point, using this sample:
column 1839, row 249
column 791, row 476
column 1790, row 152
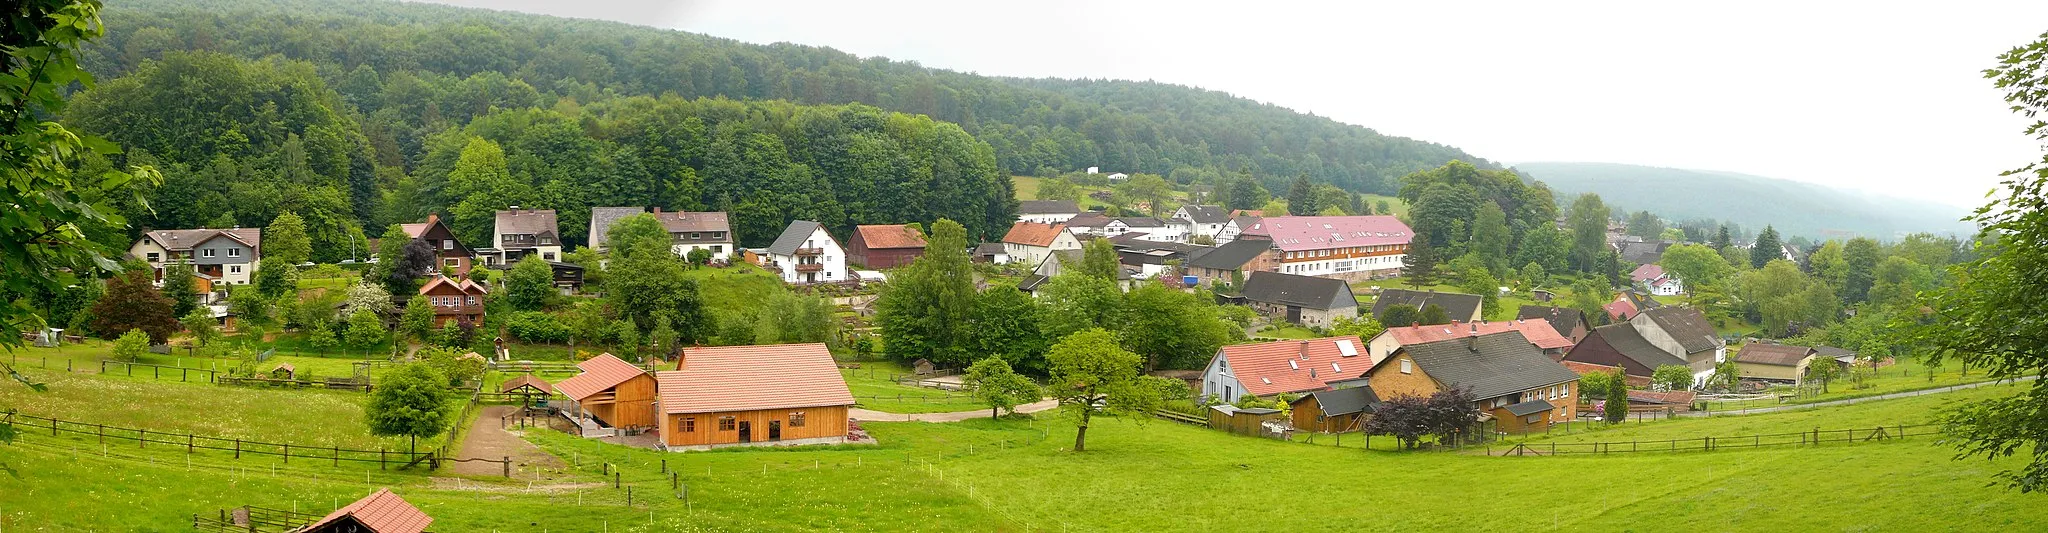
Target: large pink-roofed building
column 1354, row 248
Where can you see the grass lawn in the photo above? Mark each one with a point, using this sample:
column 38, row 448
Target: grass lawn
column 735, row 288
column 1288, row 332
column 311, row 417
column 1868, row 415
column 1907, row 375
column 873, row 389
column 1016, row 475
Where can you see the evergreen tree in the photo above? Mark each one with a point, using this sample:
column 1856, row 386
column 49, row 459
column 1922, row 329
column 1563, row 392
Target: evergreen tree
column 1721, row 239
column 1419, row 264
column 182, row 287
column 1247, row 193
column 1768, row 248
column 1301, row 197
column 1617, row 399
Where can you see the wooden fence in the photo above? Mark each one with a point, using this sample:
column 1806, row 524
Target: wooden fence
column 1816, row 437
column 157, row 371
column 143, row 438
column 250, row 518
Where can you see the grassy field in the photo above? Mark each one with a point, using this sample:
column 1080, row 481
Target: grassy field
column 1017, row 475
column 873, row 389
column 298, row 417
column 1908, row 411
column 1907, row 375
column 735, row 288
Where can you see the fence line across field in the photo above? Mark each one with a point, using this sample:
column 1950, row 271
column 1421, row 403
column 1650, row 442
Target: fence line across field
column 334, row 455
column 1814, row 437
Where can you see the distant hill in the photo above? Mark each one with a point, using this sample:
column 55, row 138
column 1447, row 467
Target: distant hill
column 1794, row 208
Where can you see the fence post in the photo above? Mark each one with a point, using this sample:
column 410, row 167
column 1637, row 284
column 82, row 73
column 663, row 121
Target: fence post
column 141, row 438
column 287, row 454
column 508, row 465
column 188, row 443
column 337, row 455
column 238, row 448
column 103, row 434
column 615, row 479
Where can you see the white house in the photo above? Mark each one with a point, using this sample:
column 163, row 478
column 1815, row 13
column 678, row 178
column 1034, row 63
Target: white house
column 1355, row 248
column 1030, row 242
column 1234, row 228
column 1118, row 177
column 1659, row 282
column 1153, row 229
column 805, row 253
column 1046, row 211
column 1203, row 220
column 221, row 256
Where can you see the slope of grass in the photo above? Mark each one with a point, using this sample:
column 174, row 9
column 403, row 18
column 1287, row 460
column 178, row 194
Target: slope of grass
column 310, row 417
column 735, row 288
column 1868, row 415
column 873, row 388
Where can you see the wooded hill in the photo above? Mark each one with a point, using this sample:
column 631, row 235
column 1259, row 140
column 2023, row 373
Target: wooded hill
column 1794, row 208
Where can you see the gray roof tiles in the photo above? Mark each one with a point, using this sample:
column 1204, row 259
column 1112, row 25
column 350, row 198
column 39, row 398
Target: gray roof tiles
column 1488, row 366
column 1299, row 291
column 793, row 237
column 1687, row 325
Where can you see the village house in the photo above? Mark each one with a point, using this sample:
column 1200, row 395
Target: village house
column 448, row 250
column 1778, row 363
column 1685, row 332
column 1291, row 366
column 1235, row 228
column 991, row 252
column 806, row 254
column 1031, row 242
column 885, row 246
column 1061, row 261
column 1623, row 346
column 519, row 233
column 1653, row 278
column 1047, row 211
column 1643, row 252
column 1512, row 383
column 772, row 395
column 1089, row 223
column 1629, row 303
column 1203, row 220
column 460, row 301
column 1230, row 263
column 690, row 231
column 1303, row 300
column 1638, row 382
column 1571, row 323
column 1152, row 258
column 219, row 257
column 601, row 220
column 1538, row 333
column 1460, row 307
column 610, row 394
column 1355, row 248
column 1334, row 411
column 380, row 512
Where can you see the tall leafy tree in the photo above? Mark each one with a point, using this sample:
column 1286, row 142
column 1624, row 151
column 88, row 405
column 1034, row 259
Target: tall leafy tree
column 1767, row 248
column 276, row 277
column 1859, row 257
column 1005, row 325
column 1898, row 282
column 1091, row 375
column 1171, row 328
column 1058, row 189
column 1545, row 245
column 1072, row 302
column 201, row 326
column 1433, row 314
column 410, row 401
column 924, row 312
column 1645, row 225
column 132, row 304
column 418, row 320
column 792, row 318
column 1696, row 265
column 1099, row 259
column 1829, row 265
column 285, row 239
column 479, row 186
column 1490, row 238
column 1588, row 223
column 182, row 287
column 530, row 284
column 999, row 387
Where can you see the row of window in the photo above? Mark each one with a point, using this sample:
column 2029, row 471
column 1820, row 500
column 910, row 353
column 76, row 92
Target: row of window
column 1309, row 254
column 450, row 301
column 1342, row 266
column 698, row 235
column 729, row 423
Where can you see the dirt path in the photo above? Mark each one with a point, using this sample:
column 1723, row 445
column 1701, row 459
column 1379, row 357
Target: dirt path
column 956, row 416
column 486, row 440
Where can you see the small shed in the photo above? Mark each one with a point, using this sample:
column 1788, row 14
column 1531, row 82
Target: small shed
column 1541, row 295
column 1243, row 421
column 526, row 384
column 283, row 371
column 923, row 367
column 380, row 512
column 1334, row 411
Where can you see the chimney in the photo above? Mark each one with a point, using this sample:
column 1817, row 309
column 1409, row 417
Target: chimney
column 1475, row 329
column 657, row 212
column 1304, row 350
column 680, row 354
column 432, row 218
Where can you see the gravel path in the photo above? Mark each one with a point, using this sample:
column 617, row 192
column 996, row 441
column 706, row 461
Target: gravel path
column 488, row 441
column 865, row 415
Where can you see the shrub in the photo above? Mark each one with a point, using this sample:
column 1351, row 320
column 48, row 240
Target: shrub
column 537, row 327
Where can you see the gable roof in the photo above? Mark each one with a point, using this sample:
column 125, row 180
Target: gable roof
column 1643, row 253
column 692, row 221
column 1264, row 367
column 1563, row 319
column 1207, row 214
column 1344, row 401
column 793, row 237
column 180, row 240
column 526, row 221
column 1322, row 232
column 881, row 236
column 1538, row 332
column 1489, row 366
column 599, row 373
column 1773, row 354
column 1033, row 233
column 989, row 249
column 465, row 285
column 381, row 512
column 1687, row 325
column 1089, row 219
column 1142, row 222
column 525, row 380
column 1232, row 255
column 1454, row 304
column 602, row 218
column 746, row 378
column 1299, row 291
column 1646, row 273
column 1626, row 341
column 1584, row 368
column 1047, row 207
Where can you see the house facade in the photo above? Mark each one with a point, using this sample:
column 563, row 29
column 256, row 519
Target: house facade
column 690, row 231
column 1234, row 229
column 1512, row 383
column 449, row 251
column 1623, row 346
column 1047, row 211
column 1290, row 366
column 1683, row 331
column 519, row 233
column 1653, row 278
column 885, row 246
column 460, row 301
column 1776, row 363
column 1203, row 220
column 1303, row 300
column 1334, row 411
column 1230, row 263
column 806, row 254
column 1031, row 242
column 770, row 395
column 1354, row 248
column 218, row 257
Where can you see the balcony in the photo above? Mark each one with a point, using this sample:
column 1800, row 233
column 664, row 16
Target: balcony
column 810, row 251
column 810, row 267
column 477, row 309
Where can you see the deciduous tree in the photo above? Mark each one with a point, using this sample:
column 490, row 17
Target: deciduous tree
column 1672, row 377
column 131, row 345
column 418, row 320
column 409, row 401
column 530, row 284
column 999, row 387
column 201, row 325
column 1091, row 375
column 925, row 310
column 285, row 239
column 1588, row 222
column 130, row 303
column 182, row 287
column 1005, row 325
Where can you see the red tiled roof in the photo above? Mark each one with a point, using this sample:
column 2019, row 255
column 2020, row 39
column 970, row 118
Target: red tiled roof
column 1033, row 233
column 1621, row 309
column 716, row 379
column 525, row 381
column 1672, row 397
column 890, row 236
column 1646, row 273
column 599, row 373
column 1295, row 234
column 381, row 512
column 1263, row 368
column 1539, row 332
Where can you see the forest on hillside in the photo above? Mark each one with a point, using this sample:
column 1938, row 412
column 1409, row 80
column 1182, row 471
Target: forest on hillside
column 373, row 89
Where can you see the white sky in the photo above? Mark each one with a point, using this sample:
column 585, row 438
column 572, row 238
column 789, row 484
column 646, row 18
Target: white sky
column 1858, row 95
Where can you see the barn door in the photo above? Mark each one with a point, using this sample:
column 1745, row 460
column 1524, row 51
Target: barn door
column 774, row 430
column 746, row 431
column 1294, row 314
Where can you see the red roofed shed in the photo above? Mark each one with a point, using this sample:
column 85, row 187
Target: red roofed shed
column 613, row 391
column 885, row 246
column 380, row 512
column 785, row 394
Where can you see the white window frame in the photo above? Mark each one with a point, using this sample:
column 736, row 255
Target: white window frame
column 234, row 252
column 1407, row 366
column 206, row 252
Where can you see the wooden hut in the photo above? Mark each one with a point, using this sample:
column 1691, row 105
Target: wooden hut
column 1334, row 411
column 782, row 394
column 1249, row 422
column 380, row 512
column 613, row 391
column 923, row 367
column 283, row 371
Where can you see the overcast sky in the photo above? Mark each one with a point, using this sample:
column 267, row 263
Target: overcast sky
column 1877, row 98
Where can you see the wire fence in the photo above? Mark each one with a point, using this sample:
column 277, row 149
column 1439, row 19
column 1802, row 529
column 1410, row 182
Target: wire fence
column 1815, row 437
column 143, row 439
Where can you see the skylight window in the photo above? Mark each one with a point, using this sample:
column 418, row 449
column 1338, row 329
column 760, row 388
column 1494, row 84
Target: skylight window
column 1292, row 365
column 1344, row 347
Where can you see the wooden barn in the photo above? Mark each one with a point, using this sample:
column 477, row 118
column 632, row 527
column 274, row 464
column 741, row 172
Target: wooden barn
column 613, row 391
column 283, row 371
column 380, row 512
column 1334, row 411
column 885, row 246
column 769, row 395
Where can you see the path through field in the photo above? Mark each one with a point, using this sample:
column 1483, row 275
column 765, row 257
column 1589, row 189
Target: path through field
column 865, row 415
column 1880, row 397
column 486, row 440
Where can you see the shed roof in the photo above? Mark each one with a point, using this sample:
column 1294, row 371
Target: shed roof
column 1773, row 354
column 1686, row 325
column 1489, row 366
column 178, row 240
column 1344, row 401
column 883, row 236
column 748, row 378
column 1295, row 365
column 989, row 249
column 1033, row 233
column 1454, row 304
column 381, row 512
column 1299, row 291
column 599, row 374
column 1089, row 219
column 1530, row 407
